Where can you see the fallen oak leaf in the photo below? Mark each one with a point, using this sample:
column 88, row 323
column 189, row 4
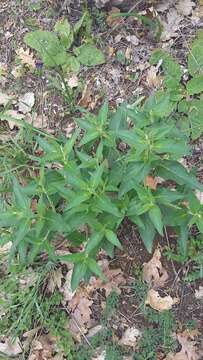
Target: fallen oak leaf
column 159, row 303
column 115, row 279
column 10, row 348
column 130, row 337
column 187, row 352
column 153, row 272
column 26, row 102
column 26, row 57
column 185, row 7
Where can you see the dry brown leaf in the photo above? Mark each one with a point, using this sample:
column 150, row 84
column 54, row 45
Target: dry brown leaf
column 80, row 317
column 199, row 293
column 13, row 117
column 4, row 249
column 43, row 348
column 73, row 81
column 171, row 25
column 132, row 39
column 150, row 182
column 26, row 102
column 185, row 7
column 5, row 98
column 111, row 20
column 153, row 80
column 130, row 337
column 26, row 57
column 54, row 281
column 115, row 279
column 187, row 352
column 10, row 348
column 66, row 289
column 199, row 195
column 153, row 271
column 159, row 303
column 86, row 97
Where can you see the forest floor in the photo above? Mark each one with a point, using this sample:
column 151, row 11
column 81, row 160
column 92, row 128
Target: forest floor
column 112, row 320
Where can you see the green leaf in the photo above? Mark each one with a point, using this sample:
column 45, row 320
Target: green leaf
column 199, row 223
column 71, row 64
column 89, row 55
column 72, row 258
column 63, row 29
column 96, row 177
column 94, row 241
column 112, row 238
column 8, row 218
column 195, row 57
column 119, row 119
column 103, row 113
column 105, row 204
column 183, row 239
column 156, row 218
column 89, row 136
column 148, row 233
column 173, row 170
column 79, row 271
column 21, row 199
column 95, row 268
column 78, row 199
column 195, row 85
column 48, row 46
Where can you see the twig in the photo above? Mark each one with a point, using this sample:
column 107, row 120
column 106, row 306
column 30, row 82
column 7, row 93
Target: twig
column 77, row 325
column 167, row 239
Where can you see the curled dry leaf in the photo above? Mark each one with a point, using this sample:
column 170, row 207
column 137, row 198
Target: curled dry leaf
column 26, row 102
column 111, row 19
column 171, row 25
column 73, row 81
column 26, row 57
column 66, row 289
column 5, row 248
column 153, row 272
column 159, row 303
column 153, row 80
column 130, row 337
column 54, row 280
column 10, row 348
column 188, row 350
column 115, row 279
column 199, row 293
column 150, row 182
column 199, row 195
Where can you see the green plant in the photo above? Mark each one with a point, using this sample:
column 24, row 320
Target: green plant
column 57, row 50
column 25, row 306
column 190, row 109
column 89, row 181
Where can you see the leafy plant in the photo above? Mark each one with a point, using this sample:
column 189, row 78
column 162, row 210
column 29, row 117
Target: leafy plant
column 56, row 49
column 89, row 182
column 190, row 110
